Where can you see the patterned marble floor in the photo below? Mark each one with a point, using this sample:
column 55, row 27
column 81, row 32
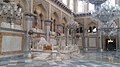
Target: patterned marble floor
column 86, row 59
column 65, row 63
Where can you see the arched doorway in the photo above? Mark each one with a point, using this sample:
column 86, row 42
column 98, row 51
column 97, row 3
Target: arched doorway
column 110, row 44
column 38, row 24
column 92, row 35
column 55, row 18
column 64, row 21
column 41, row 15
column 110, row 38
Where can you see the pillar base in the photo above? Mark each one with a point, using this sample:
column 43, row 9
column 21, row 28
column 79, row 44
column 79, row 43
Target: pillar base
column 29, row 55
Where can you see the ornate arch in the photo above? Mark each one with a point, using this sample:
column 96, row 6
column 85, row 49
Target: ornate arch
column 66, row 17
column 92, row 24
column 40, row 10
column 55, row 16
column 24, row 4
column 43, row 3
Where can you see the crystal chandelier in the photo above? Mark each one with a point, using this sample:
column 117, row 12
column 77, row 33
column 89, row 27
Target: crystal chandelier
column 10, row 11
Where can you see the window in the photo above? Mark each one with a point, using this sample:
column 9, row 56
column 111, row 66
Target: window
column 63, row 29
column 41, row 24
column 94, row 29
column 7, row 1
column 64, row 1
column 90, row 30
column 81, row 29
column 41, row 21
column 71, row 5
column 91, row 7
column 70, row 31
column 110, row 2
column 35, row 22
column 54, row 24
column 77, row 30
column 82, row 6
column 51, row 25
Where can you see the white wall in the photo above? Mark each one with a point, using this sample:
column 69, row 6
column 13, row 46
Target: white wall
column 92, row 42
column 11, row 43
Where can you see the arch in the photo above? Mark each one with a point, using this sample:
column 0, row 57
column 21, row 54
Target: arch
column 91, row 24
column 64, row 20
column 90, row 29
column 40, row 11
column 94, row 29
column 24, row 4
column 42, row 3
column 81, row 25
column 55, row 19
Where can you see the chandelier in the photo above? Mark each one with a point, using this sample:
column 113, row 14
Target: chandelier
column 10, row 11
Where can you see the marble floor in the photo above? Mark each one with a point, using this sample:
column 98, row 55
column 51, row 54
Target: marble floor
column 85, row 59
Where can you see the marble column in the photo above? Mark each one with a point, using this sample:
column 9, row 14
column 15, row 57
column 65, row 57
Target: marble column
column 118, row 34
column 66, row 35
column 59, row 31
column 29, row 20
column 86, row 7
column 75, row 6
column 30, row 5
column 100, row 40
column 50, row 11
column 117, row 40
column 86, row 40
column 68, row 3
column 47, row 25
